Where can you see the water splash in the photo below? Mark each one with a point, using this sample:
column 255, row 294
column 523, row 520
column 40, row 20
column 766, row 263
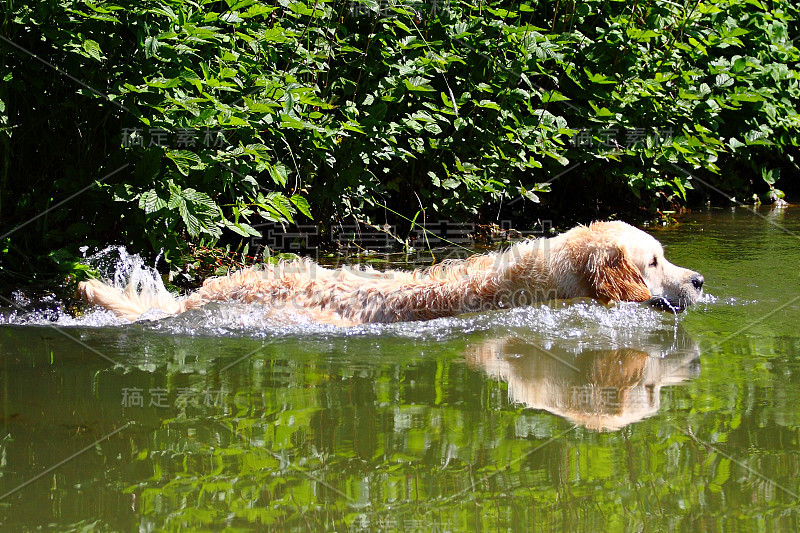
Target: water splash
column 126, row 270
column 115, row 264
column 577, row 320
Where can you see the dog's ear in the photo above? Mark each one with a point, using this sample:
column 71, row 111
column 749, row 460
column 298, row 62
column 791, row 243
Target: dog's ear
column 613, row 276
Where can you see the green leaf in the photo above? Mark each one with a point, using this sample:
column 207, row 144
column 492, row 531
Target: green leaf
column 279, row 174
column 735, row 143
column 418, row 84
column 599, row 78
column 530, row 195
column 288, row 121
column 723, row 80
column 301, row 204
column 164, row 83
column 553, row 96
column 242, row 228
column 560, row 158
column 185, row 161
column 445, row 100
column 770, row 176
column 601, row 111
column 192, row 223
column 151, row 45
column 746, row 97
column 150, row 202
column 679, row 187
column 353, row 127
column 200, row 198
column 489, row 104
column 93, row 49
column 641, row 35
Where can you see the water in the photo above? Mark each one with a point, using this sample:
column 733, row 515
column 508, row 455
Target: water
column 563, row 417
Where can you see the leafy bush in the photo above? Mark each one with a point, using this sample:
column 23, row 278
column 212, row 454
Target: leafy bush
column 198, row 120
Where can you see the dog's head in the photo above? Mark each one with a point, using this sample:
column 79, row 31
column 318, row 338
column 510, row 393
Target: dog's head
column 623, row 263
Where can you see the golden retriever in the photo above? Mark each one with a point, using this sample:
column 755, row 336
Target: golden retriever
column 606, row 261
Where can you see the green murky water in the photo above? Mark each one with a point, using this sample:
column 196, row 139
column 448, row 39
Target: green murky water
column 570, row 418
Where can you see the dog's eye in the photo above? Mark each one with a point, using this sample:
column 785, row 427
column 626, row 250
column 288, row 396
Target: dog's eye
column 654, row 262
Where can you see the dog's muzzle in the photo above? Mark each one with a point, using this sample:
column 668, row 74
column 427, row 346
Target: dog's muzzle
column 684, row 301
column 659, row 302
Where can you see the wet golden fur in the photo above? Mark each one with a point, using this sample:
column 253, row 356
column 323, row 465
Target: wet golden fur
column 607, row 261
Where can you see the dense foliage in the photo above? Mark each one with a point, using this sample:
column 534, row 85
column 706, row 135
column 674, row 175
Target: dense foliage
column 181, row 123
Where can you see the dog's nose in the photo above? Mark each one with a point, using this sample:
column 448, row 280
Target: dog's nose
column 697, row 281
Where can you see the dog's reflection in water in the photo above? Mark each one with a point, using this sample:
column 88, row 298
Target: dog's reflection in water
column 600, row 389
